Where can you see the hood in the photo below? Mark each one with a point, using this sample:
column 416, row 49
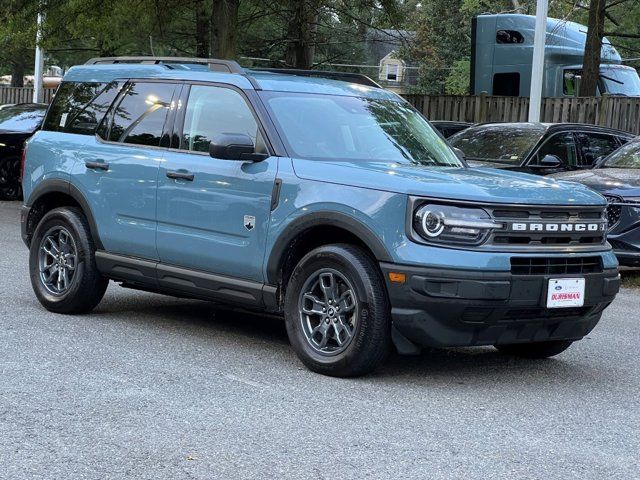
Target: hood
column 501, row 166
column 614, row 181
column 485, row 185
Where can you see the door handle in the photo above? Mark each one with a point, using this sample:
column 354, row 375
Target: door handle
column 180, row 175
column 97, row 165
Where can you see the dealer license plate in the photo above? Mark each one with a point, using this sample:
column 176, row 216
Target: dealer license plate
column 565, row 292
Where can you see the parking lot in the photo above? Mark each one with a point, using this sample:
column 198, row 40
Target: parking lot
column 157, row 387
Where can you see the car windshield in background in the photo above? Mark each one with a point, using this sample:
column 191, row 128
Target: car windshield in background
column 21, row 118
column 627, row 156
column 620, row 81
column 329, row 127
column 497, row 143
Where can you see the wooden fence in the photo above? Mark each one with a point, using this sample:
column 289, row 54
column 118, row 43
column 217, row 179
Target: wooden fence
column 615, row 112
column 22, row 95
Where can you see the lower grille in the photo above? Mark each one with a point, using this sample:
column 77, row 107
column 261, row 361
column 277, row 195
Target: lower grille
column 539, row 313
column 555, row 266
column 489, row 315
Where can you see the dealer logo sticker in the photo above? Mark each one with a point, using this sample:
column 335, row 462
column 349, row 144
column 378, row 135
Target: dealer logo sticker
column 249, row 222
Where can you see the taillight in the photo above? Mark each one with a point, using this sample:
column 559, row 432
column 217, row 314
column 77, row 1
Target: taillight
column 23, row 161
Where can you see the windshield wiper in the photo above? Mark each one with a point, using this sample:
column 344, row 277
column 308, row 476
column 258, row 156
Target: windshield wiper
column 614, row 80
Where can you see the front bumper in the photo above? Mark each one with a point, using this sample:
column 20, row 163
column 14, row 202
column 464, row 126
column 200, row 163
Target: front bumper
column 446, row 308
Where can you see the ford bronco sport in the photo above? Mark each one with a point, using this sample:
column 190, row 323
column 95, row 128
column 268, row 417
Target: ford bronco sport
column 333, row 203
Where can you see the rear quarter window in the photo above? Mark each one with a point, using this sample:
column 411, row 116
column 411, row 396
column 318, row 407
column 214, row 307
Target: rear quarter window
column 80, row 107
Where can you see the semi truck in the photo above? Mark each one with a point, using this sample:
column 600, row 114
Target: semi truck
column 502, row 52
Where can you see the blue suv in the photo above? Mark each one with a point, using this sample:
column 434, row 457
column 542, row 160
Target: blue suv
column 331, row 202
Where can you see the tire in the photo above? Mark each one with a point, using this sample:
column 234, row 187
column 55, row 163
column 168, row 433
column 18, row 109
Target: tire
column 356, row 339
column 535, row 350
column 65, row 230
column 10, row 188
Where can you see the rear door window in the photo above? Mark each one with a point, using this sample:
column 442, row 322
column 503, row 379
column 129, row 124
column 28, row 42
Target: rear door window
column 140, row 116
column 80, row 107
column 595, row 145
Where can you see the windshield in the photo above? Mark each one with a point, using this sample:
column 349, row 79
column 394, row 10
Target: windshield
column 331, row 127
column 21, row 118
column 497, row 143
column 627, row 156
column 621, row 81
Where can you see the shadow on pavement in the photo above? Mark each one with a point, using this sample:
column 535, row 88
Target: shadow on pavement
column 462, row 365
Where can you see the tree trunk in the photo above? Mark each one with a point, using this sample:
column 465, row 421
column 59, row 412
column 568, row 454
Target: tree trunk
column 301, row 33
column 593, row 49
column 202, row 30
column 17, row 73
column 224, row 21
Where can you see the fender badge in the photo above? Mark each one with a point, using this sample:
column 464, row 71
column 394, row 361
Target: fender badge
column 249, row 222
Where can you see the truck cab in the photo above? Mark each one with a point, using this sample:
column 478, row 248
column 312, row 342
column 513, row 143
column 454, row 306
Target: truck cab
column 502, row 52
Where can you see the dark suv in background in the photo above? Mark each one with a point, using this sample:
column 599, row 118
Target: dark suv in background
column 17, row 124
column 538, row 148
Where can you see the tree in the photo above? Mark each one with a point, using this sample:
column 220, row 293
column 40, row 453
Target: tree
column 224, row 21
column 593, row 49
column 17, row 38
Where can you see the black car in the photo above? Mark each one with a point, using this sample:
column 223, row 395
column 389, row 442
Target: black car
column 448, row 128
column 617, row 177
column 539, row 148
column 17, row 124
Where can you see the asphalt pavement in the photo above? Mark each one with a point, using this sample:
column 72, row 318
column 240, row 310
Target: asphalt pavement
column 155, row 387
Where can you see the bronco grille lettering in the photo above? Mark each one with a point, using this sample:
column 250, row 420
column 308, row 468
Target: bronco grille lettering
column 558, row 227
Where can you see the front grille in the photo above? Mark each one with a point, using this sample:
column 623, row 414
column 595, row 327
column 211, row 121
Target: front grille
column 546, row 227
column 614, row 211
column 555, row 265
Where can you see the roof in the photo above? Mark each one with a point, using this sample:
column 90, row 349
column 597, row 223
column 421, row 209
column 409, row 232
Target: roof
column 543, row 127
column 562, row 34
column 249, row 80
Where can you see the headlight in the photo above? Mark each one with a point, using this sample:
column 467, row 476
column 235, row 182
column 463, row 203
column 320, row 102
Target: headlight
column 445, row 224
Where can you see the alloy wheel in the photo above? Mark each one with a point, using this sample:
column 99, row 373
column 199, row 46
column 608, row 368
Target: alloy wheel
column 328, row 309
column 57, row 260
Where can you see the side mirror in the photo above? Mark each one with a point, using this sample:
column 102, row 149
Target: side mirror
column 459, row 152
column 577, row 83
column 549, row 161
column 235, row 146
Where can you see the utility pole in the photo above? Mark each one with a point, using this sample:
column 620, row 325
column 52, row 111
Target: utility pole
column 537, row 67
column 39, row 66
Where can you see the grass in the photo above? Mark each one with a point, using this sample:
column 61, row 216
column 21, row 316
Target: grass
column 630, row 278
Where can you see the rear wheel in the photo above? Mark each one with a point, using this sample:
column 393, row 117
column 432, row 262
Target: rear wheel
column 62, row 263
column 337, row 313
column 10, row 188
column 535, row 350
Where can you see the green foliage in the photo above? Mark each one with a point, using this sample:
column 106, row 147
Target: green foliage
column 457, row 83
column 336, row 31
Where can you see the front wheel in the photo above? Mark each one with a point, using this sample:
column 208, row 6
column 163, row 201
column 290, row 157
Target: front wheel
column 62, row 263
column 536, row 349
column 337, row 312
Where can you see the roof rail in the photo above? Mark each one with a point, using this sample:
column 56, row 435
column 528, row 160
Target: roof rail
column 344, row 76
column 225, row 66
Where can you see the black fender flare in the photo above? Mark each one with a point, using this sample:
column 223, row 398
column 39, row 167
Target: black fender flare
column 58, row 185
column 314, row 219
